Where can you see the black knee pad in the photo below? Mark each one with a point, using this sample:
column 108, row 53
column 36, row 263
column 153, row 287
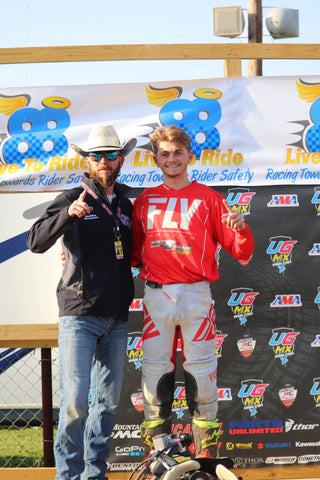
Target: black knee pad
column 165, row 392
column 191, row 392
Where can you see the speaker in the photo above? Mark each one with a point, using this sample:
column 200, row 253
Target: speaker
column 283, row 22
column 228, row 21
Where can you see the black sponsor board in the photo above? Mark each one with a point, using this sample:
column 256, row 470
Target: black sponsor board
column 268, row 340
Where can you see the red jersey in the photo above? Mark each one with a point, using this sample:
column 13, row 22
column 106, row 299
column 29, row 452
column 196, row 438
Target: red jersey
column 176, row 233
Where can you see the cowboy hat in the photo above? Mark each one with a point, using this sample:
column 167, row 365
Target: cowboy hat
column 104, row 139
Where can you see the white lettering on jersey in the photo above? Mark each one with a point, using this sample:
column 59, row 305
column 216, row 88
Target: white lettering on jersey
column 169, row 209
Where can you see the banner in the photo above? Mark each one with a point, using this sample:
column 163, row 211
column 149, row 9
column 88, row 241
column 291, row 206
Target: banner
column 245, row 131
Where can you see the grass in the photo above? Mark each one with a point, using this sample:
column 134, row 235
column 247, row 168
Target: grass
column 21, row 447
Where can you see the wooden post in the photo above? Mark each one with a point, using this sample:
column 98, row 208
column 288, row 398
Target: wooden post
column 255, row 34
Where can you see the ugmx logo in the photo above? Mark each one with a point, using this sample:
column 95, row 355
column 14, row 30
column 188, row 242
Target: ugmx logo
column 241, row 303
column 280, row 250
column 316, row 200
column 239, row 199
column 315, row 391
column 282, row 343
column 251, row 394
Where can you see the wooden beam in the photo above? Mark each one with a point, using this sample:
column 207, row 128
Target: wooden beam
column 200, row 51
column 269, row 473
column 29, row 335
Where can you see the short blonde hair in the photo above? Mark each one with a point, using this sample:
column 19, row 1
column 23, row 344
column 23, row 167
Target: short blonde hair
column 170, row 134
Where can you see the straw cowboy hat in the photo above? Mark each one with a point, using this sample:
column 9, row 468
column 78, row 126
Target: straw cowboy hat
column 104, row 139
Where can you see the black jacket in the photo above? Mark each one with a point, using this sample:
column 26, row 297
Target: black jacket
column 93, row 281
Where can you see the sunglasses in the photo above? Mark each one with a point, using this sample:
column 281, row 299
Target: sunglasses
column 96, row 157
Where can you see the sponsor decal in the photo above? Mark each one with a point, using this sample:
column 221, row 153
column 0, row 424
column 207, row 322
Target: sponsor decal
column 291, row 425
column 132, row 451
column 179, row 404
column 121, row 432
column 137, row 401
column 287, row 395
column 134, row 349
column 315, row 250
column 255, row 427
column 309, row 458
column 242, row 461
column 281, row 460
column 316, row 200
column 307, row 444
column 251, row 394
column 317, row 299
column 261, row 446
column 290, row 300
column 284, row 200
column 126, row 467
column 241, row 303
column 219, row 341
column 136, row 305
column 280, row 251
column 239, row 446
column 316, row 341
column 224, row 394
column 282, row 343
column 315, row 391
column 246, row 345
column 239, row 199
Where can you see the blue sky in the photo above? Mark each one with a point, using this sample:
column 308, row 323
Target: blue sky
column 97, row 22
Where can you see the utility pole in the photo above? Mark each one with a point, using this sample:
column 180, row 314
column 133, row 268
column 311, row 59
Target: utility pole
column 255, row 34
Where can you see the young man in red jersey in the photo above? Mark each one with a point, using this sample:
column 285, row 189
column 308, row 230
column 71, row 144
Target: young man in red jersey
column 176, row 229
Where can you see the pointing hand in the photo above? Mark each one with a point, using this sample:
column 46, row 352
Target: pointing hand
column 232, row 219
column 79, row 208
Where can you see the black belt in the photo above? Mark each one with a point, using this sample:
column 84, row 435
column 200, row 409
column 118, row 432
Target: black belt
column 152, row 284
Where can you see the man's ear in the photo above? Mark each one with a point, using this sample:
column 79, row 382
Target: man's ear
column 190, row 157
column 155, row 160
column 121, row 160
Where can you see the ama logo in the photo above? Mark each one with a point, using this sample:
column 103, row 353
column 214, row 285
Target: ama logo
column 315, row 391
column 287, row 395
column 241, row 303
column 251, row 394
column 289, row 300
column 246, row 346
column 282, row 342
column 280, row 250
column 316, row 200
column 239, row 199
column 315, row 250
column 286, row 200
column 134, row 349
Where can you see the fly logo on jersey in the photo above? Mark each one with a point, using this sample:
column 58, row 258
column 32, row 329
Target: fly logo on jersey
column 285, row 200
column 179, row 404
column 241, row 303
column 251, row 394
column 282, row 342
column 315, row 391
column 317, row 299
column 149, row 329
column 315, row 251
column 171, row 213
column 246, row 346
column 290, row 300
column 287, row 395
column 280, row 251
column 316, row 199
column 134, row 349
column 219, row 341
column 316, row 341
column 239, row 199
column 207, row 330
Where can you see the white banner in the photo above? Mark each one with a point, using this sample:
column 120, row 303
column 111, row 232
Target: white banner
column 245, row 131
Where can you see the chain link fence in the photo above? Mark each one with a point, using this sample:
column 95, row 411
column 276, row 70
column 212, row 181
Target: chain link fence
column 21, row 443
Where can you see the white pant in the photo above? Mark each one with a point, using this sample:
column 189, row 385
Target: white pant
column 187, row 307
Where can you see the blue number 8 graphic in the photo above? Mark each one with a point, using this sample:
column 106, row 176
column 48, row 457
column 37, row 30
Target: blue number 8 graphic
column 36, row 134
column 197, row 117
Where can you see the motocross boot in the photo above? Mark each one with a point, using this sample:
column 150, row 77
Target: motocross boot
column 150, row 429
column 205, row 436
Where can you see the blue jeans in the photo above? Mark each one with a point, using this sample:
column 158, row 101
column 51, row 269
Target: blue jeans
column 92, row 352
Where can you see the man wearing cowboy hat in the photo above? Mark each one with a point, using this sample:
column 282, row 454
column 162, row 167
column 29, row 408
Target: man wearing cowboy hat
column 94, row 293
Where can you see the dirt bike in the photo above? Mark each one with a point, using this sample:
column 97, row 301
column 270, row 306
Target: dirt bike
column 171, row 459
